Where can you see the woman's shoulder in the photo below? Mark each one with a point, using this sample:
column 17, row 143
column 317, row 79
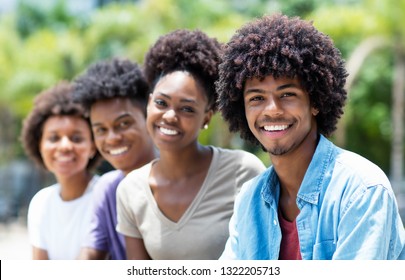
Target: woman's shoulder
column 139, row 172
column 43, row 196
column 239, row 157
column 48, row 191
column 136, row 178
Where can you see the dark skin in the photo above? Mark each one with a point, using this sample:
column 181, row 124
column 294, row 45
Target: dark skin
column 291, row 174
column 177, row 111
column 281, row 117
column 118, row 123
column 170, row 181
column 66, row 146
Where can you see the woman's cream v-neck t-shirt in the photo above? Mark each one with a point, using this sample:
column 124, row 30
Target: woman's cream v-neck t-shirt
column 202, row 231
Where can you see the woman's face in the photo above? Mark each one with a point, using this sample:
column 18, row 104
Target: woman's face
column 66, row 145
column 177, row 110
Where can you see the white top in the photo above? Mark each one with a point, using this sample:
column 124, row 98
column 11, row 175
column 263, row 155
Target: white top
column 202, row 231
column 58, row 226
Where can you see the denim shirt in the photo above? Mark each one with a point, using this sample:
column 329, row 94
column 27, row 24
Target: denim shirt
column 347, row 211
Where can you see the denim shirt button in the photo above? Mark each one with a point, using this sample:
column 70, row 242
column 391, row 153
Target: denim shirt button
column 275, row 222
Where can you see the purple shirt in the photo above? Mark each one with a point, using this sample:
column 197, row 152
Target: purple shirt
column 102, row 234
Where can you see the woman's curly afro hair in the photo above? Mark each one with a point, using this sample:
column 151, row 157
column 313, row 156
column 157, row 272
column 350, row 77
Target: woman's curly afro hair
column 55, row 101
column 186, row 50
column 282, row 47
column 111, row 79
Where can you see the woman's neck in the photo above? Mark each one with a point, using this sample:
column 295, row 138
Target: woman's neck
column 74, row 186
column 178, row 164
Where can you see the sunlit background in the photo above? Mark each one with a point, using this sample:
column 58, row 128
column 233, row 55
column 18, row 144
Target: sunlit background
column 44, row 41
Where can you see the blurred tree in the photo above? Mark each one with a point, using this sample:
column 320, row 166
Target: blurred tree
column 375, row 112
column 100, row 3
column 32, row 17
column 39, row 47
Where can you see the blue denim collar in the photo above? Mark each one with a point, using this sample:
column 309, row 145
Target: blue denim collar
column 315, row 177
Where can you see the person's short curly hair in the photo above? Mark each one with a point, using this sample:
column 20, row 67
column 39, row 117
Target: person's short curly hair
column 54, row 101
column 115, row 78
column 282, row 47
column 186, row 50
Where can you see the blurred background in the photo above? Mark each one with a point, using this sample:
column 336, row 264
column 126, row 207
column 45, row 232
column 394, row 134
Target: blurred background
column 44, row 41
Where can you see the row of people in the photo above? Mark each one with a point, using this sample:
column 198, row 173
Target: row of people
column 279, row 82
column 183, row 186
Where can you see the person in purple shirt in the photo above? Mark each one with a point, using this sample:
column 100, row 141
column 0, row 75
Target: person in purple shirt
column 115, row 93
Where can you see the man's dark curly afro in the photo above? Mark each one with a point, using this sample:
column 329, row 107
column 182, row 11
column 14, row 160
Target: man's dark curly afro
column 55, row 101
column 186, row 50
column 112, row 79
column 282, row 47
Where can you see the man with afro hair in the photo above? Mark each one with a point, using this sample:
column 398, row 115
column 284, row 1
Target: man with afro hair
column 115, row 93
column 281, row 85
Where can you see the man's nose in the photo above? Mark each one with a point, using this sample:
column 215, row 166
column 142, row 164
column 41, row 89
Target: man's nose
column 273, row 107
column 113, row 136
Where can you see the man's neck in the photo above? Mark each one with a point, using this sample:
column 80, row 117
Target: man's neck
column 291, row 169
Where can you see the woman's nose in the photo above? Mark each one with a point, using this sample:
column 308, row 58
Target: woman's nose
column 66, row 143
column 170, row 115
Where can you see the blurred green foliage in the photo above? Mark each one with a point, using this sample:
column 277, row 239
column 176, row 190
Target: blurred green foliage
column 39, row 47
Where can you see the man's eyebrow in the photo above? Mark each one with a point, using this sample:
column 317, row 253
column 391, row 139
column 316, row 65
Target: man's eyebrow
column 254, row 90
column 287, row 86
column 290, row 85
column 119, row 117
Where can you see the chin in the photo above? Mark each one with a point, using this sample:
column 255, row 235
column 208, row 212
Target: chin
column 277, row 151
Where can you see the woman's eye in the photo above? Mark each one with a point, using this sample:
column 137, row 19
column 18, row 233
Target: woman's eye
column 76, row 138
column 188, row 109
column 160, row 102
column 53, row 138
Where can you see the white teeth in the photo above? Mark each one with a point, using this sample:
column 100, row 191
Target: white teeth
column 275, row 127
column 118, row 151
column 64, row 158
column 168, row 131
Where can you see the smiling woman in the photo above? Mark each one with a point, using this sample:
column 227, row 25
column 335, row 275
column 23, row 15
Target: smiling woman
column 66, row 146
column 190, row 188
column 57, row 136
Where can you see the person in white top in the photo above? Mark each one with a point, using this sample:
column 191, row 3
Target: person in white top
column 57, row 136
column 179, row 205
